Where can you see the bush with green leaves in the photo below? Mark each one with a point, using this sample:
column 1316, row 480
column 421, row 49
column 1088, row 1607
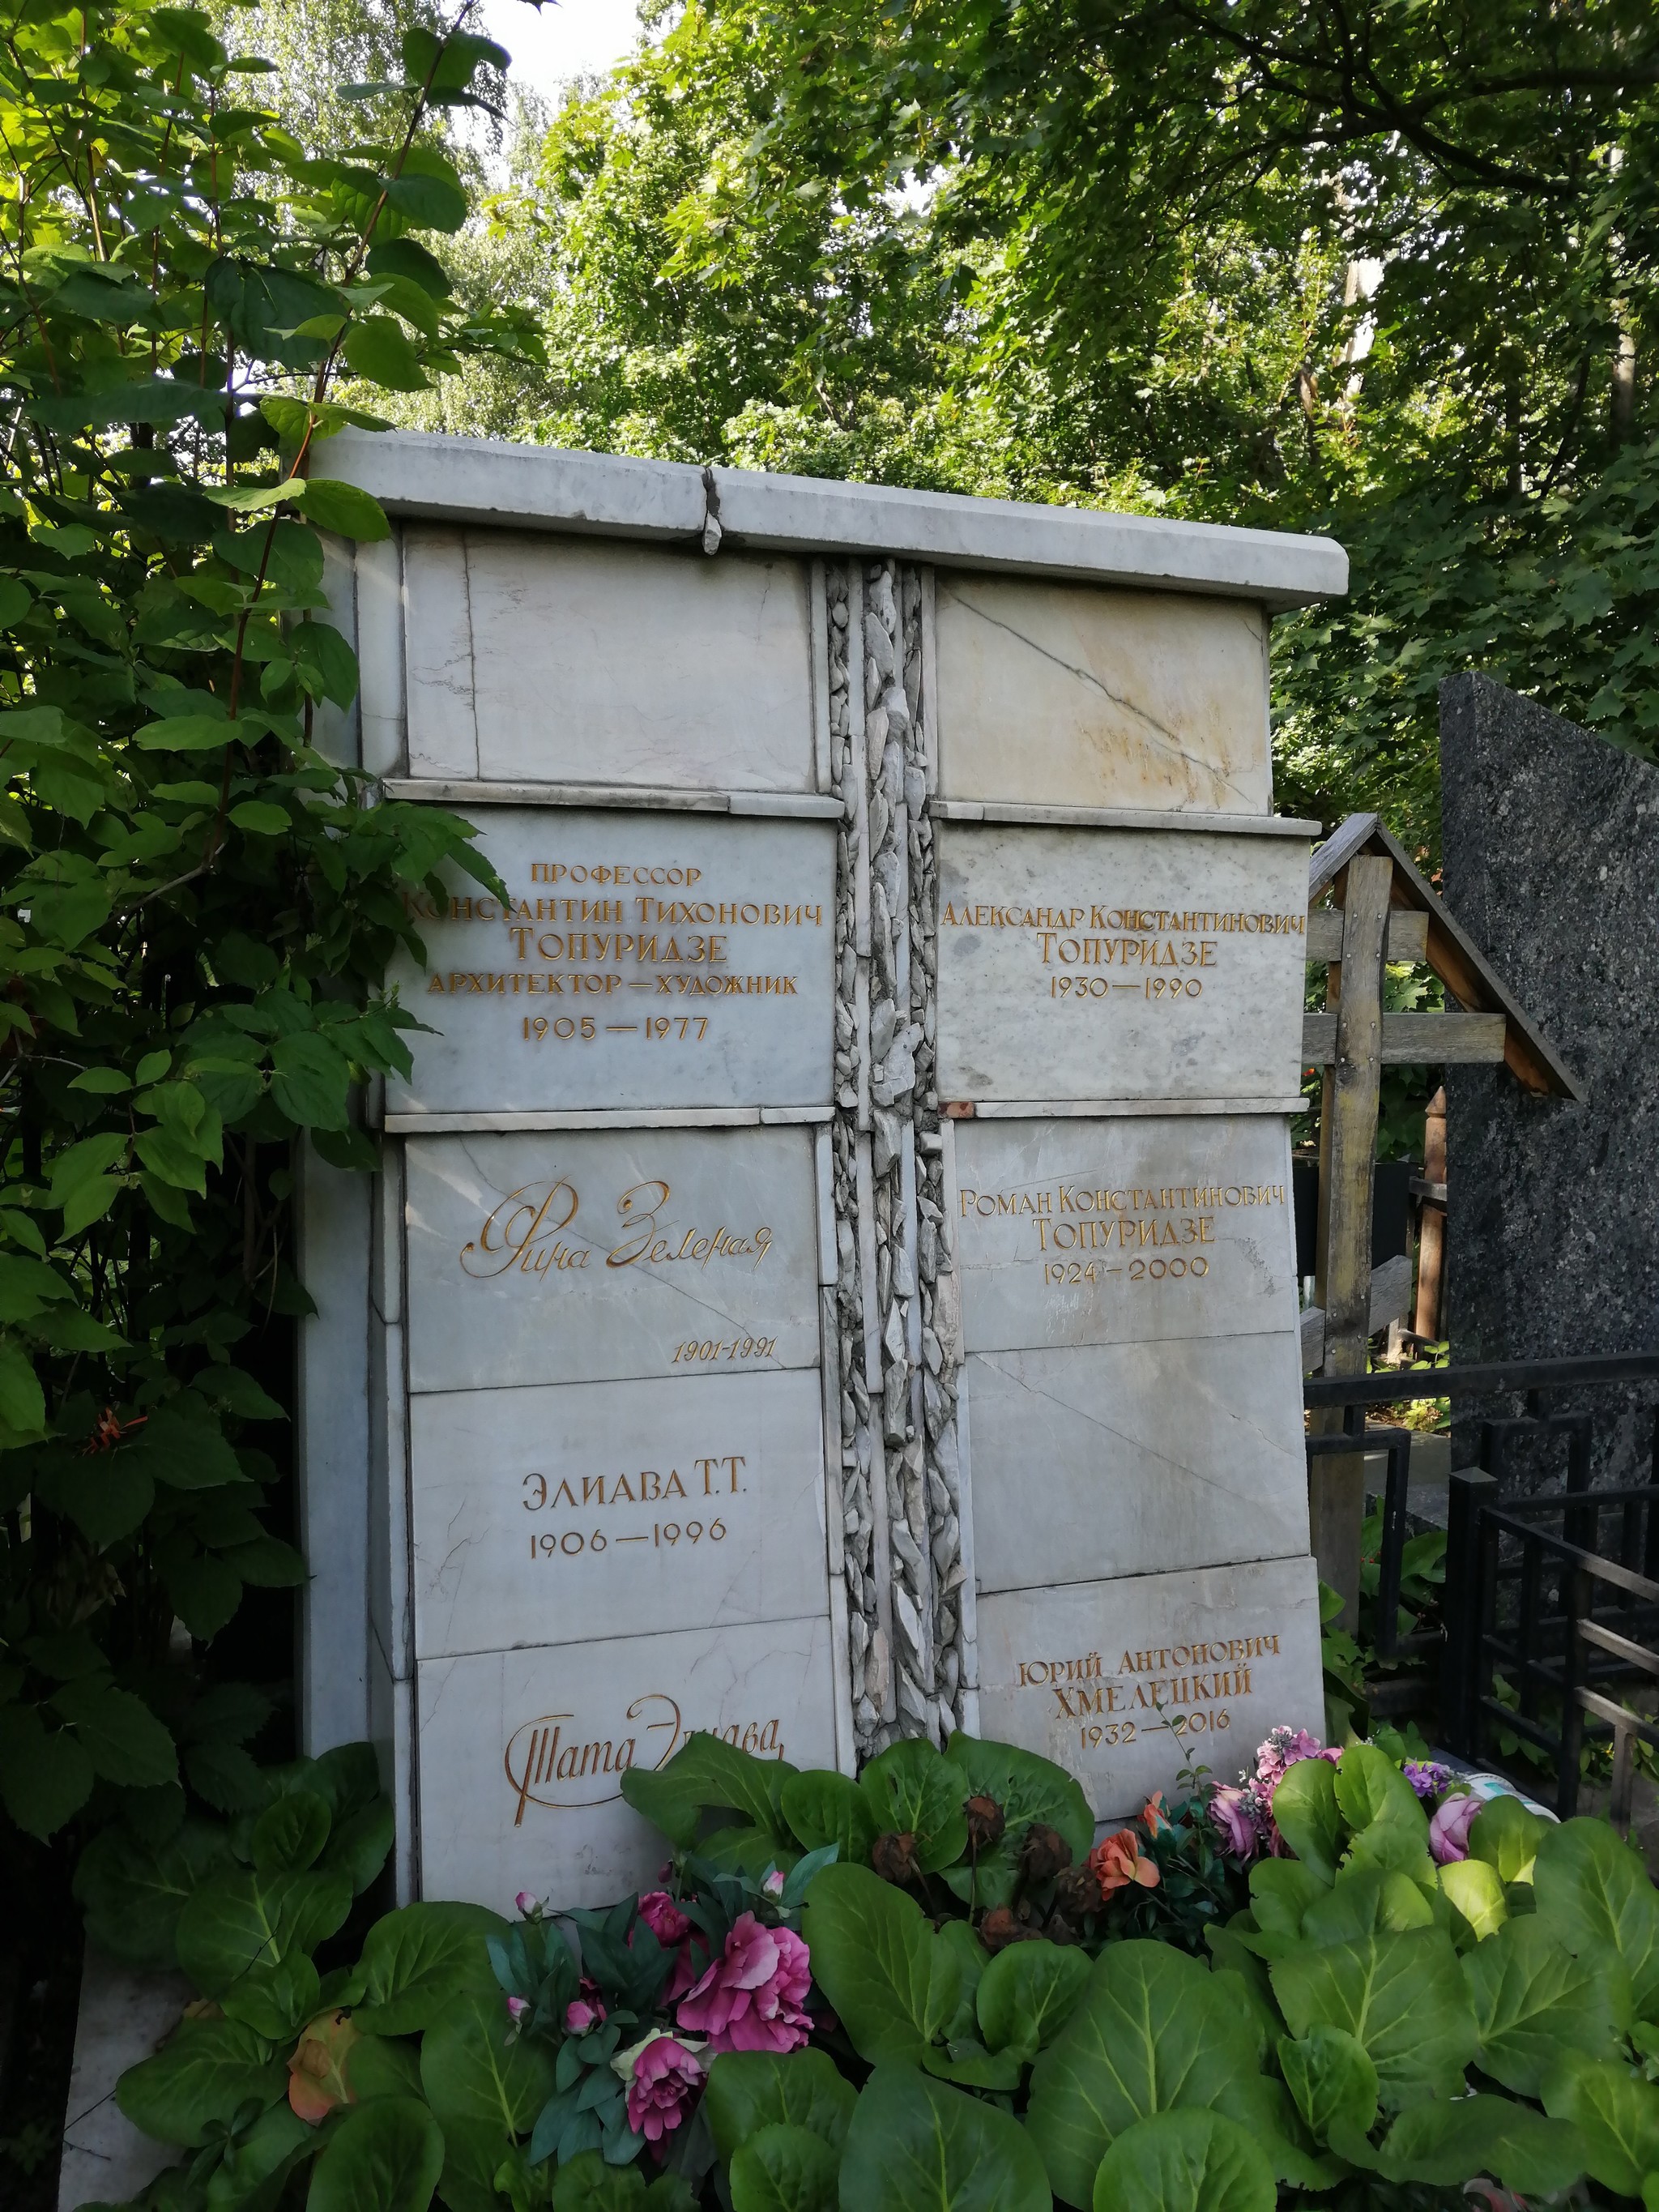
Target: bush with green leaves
column 196, row 905
column 1374, row 2030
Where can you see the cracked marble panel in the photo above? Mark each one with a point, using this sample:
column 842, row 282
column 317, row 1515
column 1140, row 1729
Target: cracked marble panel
column 1125, row 1682
column 1129, row 1458
column 1119, row 965
column 549, row 1514
column 584, row 1257
column 1059, row 695
column 647, row 960
column 1124, row 1230
column 522, row 1753
column 550, row 659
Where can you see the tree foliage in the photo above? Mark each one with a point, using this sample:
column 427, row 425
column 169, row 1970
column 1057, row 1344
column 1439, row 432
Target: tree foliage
column 1385, row 270
column 196, row 905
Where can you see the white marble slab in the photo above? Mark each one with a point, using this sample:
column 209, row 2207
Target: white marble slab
column 546, row 1515
column 1128, row 964
column 522, row 1753
column 1056, row 694
column 551, row 658
column 1126, row 1458
column 580, row 1257
column 1096, row 1675
column 488, row 480
column 647, row 960
column 1124, row 1230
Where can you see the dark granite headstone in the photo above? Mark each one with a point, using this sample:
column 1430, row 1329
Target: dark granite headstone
column 1552, row 863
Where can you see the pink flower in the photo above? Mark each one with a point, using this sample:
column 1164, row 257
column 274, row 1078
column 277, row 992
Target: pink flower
column 1448, row 1830
column 526, row 1904
column 582, row 2014
column 671, row 1927
column 664, row 1918
column 772, row 1884
column 1232, row 1813
column 517, row 2007
column 751, row 1996
column 665, row 2076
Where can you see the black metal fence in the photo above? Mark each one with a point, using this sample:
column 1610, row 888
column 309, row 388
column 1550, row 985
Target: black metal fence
column 1551, row 1603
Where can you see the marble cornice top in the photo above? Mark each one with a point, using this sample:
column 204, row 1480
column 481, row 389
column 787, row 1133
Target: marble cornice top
column 421, row 476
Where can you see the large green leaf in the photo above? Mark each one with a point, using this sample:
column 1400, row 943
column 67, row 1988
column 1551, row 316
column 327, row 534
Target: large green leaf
column 1370, row 1787
column 475, row 2067
column 823, row 1807
column 1449, row 2143
column 1364, row 1898
column 1028, row 1993
column 1027, row 1788
column 1331, row 2077
column 1533, row 2000
column 749, row 2090
column 132, row 1894
column 122, row 1737
column 241, row 1918
column 1616, row 2114
column 1594, row 1893
column 414, row 1961
column 916, row 2146
column 1506, row 1836
column 289, row 1835
column 1402, row 1995
column 911, row 1790
column 1185, row 2160
column 1307, row 1816
column 196, row 2085
column 1152, row 2030
column 893, row 1983
column 1476, row 1893
column 706, row 1771
column 785, row 2169
column 1282, row 1890
column 45, row 1775
column 382, row 2157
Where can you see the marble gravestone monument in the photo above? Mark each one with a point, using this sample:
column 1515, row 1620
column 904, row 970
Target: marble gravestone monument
column 831, row 1275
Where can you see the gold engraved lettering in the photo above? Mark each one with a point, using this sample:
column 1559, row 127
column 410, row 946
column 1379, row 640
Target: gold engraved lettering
column 556, row 1762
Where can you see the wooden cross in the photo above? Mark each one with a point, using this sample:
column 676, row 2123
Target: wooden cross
column 1381, row 909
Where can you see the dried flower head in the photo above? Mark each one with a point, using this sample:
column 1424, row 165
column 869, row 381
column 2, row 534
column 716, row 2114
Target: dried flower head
column 986, row 1823
column 1044, row 1852
column 894, row 1858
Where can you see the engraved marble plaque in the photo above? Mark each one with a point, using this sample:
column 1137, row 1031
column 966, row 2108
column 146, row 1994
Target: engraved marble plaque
column 549, row 1514
column 1067, row 696
column 522, row 1753
column 585, row 1255
column 1122, row 1682
column 644, row 961
column 548, row 660
column 1124, row 1459
column 1073, row 1232
column 1120, row 964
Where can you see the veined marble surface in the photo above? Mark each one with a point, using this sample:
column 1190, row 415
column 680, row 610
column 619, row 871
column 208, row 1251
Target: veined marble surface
column 550, row 659
column 1119, row 963
column 647, row 960
column 545, row 1514
column 1117, row 1231
column 1123, row 1683
column 587, row 1255
column 1125, row 1459
column 522, row 1753
column 1059, row 695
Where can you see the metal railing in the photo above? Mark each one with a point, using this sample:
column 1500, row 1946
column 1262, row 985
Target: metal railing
column 1521, row 1600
